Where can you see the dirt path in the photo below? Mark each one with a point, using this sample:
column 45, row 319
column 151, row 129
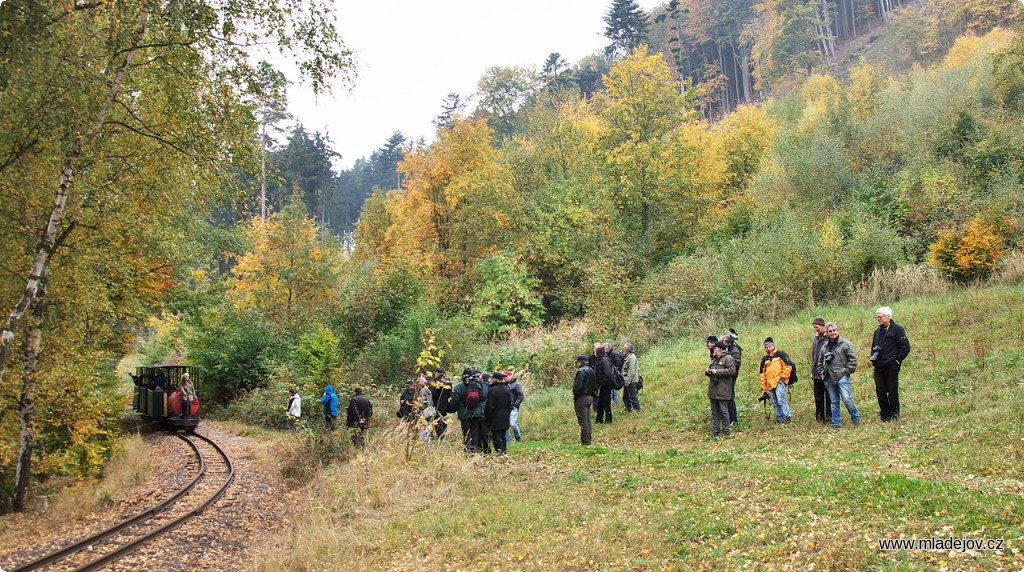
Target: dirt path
column 254, row 507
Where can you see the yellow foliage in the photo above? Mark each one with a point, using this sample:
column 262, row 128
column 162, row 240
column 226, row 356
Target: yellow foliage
column 865, row 85
column 743, row 136
column 967, row 46
column 972, row 252
column 288, row 272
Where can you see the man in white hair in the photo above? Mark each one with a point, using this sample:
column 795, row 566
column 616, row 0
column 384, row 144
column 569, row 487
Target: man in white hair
column 889, row 347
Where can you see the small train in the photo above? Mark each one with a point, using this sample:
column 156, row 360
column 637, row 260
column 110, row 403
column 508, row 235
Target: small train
column 157, row 395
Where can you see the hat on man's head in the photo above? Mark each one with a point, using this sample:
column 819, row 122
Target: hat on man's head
column 409, row 382
column 498, row 375
column 722, row 345
column 818, row 321
column 712, row 339
column 769, row 341
column 582, row 358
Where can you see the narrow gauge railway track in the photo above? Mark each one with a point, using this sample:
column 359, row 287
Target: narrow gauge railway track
column 96, row 551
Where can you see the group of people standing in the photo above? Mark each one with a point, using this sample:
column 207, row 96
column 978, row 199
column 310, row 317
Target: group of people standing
column 486, row 404
column 596, row 382
column 359, row 412
column 833, row 361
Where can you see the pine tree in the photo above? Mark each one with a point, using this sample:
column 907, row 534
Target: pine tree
column 626, row 26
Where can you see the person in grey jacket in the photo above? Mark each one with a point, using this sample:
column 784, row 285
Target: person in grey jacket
column 632, row 377
column 838, row 361
column 720, row 372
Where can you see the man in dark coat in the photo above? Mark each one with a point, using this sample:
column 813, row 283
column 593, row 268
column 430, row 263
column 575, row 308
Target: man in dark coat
column 889, row 347
column 584, row 390
column 604, row 371
column 358, row 419
column 407, row 401
column 497, row 412
column 617, row 359
column 822, row 400
column 441, row 392
column 720, row 372
column 470, row 409
column 733, row 349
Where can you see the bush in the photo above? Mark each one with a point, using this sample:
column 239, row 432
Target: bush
column 970, row 253
column 236, row 348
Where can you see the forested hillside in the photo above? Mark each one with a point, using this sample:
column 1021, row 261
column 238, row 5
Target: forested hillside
column 720, row 162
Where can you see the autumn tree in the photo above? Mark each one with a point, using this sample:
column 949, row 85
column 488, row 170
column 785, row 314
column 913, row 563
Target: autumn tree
column 502, row 92
column 454, row 201
column 289, row 272
column 640, row 108
column 154, row 115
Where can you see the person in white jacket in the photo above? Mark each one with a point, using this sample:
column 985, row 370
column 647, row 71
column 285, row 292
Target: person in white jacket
column 294, row 409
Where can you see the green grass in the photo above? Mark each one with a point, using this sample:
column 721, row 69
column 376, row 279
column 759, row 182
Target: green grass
column 654, row 493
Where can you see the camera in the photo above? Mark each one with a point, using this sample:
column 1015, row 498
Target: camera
column 764, row 396
column 828, row 357
column 874, row 353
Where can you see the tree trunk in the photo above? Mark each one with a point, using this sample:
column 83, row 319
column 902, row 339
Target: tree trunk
column 48, row 241
column 746, row 77
column 26, row 399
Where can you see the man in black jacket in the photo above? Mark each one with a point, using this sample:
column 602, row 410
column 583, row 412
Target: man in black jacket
column 733, row 349
column 617, row 360
column 889, row 347
column 440, row 393
column 604, row 371
column 584, row 389
column 358, row 419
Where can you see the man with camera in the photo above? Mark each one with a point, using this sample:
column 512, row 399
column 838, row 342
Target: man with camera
column 721, row 372
column 889, row 347
column 776, row 368
column 838, row 361
column 822, row 400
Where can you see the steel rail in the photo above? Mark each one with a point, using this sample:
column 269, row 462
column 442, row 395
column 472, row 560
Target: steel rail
column 129, row 547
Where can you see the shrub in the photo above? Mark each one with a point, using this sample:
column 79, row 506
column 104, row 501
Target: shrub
column 970, row 253
column 507, row 297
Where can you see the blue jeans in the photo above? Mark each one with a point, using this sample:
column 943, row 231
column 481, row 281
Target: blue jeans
column 513, row 421
column 779, row 402
column 615, row 396
column 631, row 398
column 840, row 391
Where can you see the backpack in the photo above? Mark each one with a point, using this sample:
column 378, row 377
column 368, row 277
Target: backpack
column 640, row 382
column 472, row 399
column 785, row 359
column 618, row 382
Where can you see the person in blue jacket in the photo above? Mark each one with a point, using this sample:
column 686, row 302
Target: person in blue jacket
column 330, row 401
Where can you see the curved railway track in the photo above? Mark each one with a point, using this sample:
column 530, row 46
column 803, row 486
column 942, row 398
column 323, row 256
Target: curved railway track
column 213, row 477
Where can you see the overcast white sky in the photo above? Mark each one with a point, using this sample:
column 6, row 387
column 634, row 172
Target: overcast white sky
column 411, row 54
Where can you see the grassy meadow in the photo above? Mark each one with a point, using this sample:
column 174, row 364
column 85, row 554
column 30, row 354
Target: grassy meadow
column 656, row 493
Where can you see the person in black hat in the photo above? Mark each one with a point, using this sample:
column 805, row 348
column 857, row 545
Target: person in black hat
column 407, row 401
column 711, row 341
column 441, row 393
column 584, row 390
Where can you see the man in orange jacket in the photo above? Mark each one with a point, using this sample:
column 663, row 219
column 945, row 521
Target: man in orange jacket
column 775, row 370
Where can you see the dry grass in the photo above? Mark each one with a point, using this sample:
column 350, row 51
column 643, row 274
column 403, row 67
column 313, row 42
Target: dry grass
column 1011, row 269
column 887, row 285
column 353, row 503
